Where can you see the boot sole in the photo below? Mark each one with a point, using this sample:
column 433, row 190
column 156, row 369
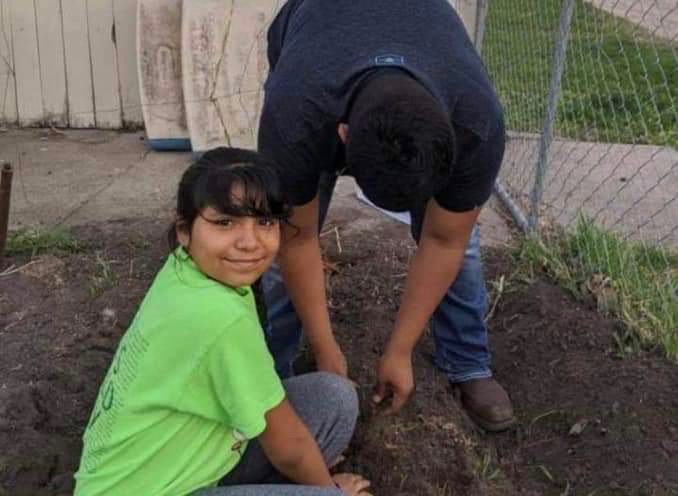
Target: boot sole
column 488, row 425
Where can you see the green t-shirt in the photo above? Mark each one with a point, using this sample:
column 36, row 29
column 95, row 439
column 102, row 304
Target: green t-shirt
column 189, row 384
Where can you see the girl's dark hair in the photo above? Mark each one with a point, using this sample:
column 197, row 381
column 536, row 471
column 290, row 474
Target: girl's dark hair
column 210, row 180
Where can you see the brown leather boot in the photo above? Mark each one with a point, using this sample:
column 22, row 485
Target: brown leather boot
column 487, row 403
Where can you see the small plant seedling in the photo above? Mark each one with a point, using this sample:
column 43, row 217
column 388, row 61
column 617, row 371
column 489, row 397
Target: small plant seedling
column 104, row 277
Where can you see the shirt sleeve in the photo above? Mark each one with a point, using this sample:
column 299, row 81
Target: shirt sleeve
column 296, row 161
column 242, row 377
column 475, row 173
column 278, row 30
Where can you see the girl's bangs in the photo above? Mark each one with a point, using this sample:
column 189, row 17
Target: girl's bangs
column 244, row 192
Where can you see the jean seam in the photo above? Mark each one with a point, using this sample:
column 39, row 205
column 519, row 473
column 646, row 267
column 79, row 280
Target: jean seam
column 485, row 374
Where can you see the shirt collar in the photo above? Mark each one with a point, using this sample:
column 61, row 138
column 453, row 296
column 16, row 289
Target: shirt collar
column 188, row 267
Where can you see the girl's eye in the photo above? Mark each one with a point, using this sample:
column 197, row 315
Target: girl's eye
column 267, row 221
column 224, row 222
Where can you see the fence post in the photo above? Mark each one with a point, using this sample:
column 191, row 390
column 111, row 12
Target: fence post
column 512, row 207
column 481, row 18
column 466, row 9
column 559, row 54
column 5, row 193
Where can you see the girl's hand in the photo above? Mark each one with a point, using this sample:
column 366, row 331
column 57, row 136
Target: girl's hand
column 352, row 484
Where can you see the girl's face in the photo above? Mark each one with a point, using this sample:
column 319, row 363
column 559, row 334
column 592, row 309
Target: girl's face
column 232, row 250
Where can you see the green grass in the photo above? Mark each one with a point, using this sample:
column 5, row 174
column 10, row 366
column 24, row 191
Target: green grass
column 634, row 282
column 104, row 276
column 618, row 85
column 37, row 241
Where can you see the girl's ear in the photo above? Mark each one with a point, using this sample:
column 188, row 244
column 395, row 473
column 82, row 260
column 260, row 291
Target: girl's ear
column 183, row 232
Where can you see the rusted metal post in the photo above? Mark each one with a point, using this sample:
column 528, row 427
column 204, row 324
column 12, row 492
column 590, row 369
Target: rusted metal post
column 5, row 193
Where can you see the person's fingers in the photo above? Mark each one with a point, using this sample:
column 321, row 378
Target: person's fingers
column 361, row 485
column 379, row 392
column 338, row 461
column 346, row 476
column 399, row 400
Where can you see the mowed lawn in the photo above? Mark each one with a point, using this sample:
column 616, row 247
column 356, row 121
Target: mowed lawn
column 620, row 84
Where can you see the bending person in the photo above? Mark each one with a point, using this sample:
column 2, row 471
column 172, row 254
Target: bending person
column 393, row 93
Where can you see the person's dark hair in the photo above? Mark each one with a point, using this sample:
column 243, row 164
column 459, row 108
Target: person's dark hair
column 401, row 145
column 210, row 180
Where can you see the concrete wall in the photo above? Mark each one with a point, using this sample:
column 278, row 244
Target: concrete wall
column 72, row 63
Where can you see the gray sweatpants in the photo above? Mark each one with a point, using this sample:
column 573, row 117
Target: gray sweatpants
column 328, row 405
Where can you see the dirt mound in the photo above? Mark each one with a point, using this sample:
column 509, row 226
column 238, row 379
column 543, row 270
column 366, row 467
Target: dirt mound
column 60, row 326
column 430, row 447
column 591, row 420
column 56, row 341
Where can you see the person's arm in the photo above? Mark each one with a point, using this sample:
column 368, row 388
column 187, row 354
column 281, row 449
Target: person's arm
column 291, row 448
column 302, row 270
column 434, row 268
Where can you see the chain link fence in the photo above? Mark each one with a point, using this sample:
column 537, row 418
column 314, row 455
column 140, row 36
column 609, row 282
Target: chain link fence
column 590, row 89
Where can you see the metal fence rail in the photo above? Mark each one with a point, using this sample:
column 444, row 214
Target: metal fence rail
column 591, row 96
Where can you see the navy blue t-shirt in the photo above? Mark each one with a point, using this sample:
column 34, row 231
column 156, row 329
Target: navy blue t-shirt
column 320, row 50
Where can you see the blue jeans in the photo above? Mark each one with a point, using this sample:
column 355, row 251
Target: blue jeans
column 458, row 324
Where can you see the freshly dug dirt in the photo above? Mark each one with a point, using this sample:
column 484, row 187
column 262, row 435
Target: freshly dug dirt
column 592, row 422
column 62, row 316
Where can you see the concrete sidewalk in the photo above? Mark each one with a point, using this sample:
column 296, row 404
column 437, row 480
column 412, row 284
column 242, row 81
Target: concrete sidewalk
column 659, row 17
column 78, row 177
column 630, row 189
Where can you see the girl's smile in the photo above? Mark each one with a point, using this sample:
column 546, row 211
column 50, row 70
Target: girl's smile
column 246, row 263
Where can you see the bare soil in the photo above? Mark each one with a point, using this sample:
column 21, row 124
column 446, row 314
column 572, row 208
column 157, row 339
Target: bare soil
column 590, row 422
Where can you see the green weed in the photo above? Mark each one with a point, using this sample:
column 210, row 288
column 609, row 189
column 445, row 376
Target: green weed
column 634, row 282
column 104, row 277
column 37, row 241
column 487, row 467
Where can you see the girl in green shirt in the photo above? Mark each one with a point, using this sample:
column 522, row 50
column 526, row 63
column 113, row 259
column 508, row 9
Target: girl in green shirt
column 191, row 403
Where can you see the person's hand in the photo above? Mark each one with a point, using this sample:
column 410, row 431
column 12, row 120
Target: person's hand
column 394, row 377
column 332, row 360
column 352, row 484
column 339, row 460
